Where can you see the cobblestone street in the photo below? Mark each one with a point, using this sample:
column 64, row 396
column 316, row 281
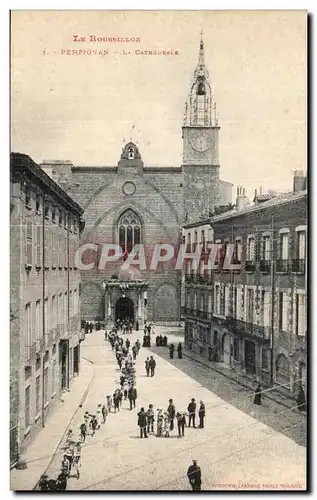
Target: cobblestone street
column 288, row 421
column 116, row 459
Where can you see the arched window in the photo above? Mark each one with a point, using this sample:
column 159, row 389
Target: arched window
column 129, row 230
column 283, row 371
column 131, row 153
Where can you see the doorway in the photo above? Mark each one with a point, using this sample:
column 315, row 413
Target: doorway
column 124, row 309
column 76, row 359
column 63, row 363
column 249, row 349
column 226, row 349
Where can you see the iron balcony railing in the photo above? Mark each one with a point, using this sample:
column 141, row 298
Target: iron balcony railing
column 248, row 327
column 298, row 266
column 265, row 266
column 250, row 265
column 282, row 266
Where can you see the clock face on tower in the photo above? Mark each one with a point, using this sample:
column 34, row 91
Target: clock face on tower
column 200, row 142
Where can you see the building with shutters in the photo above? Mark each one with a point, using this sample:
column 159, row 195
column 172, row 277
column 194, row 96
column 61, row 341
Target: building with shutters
column 253, row 319
column 132, row 203
column 45, row 226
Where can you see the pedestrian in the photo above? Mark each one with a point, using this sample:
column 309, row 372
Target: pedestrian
column 165, row 341
column 132, row 395
column 109, row 403
column 43, row 483
column 127, row 343
column 258, row 395
column 150, row 419
column 99, row 416
column 70, row 457
column 83, row 432
column 137, row 326
column 61, row 482
column 152, row 365
column 180, row 416
column 191, row 408
column 301, row 399
column 179, row 351
column 201, row 414
column 77, row 460
column 134, row 352
column 171, row 413
column 166, row 425
column 116, row 401
column 94, row 424
column 90, row 327
column 142, row 420
column 120, row 397
column 69, row 438
column 65, row 465
column 147, row 366
column 172, row 348
column 194, row 476
column 104, row 413
column 159, row 422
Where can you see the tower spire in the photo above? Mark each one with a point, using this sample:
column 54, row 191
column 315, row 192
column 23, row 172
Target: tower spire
column 199, row 109
column 201, row 69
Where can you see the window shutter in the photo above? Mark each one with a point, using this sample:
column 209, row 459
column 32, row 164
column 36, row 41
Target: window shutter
column 46, row 246
column 74, row 252
column 71, row 253
column 29, row 246
column 38, row 246
column 51, row 240
column 65, row 253
column 54, row 254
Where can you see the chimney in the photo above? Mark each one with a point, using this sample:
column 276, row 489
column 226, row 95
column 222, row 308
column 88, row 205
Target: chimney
column 241, row 199
column 299, row 181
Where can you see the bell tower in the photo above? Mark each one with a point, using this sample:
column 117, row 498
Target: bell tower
column 200, row 135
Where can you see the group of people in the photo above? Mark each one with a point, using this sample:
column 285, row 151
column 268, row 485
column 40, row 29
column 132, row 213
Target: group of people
column 165, row 420
column 125, row 325
column 161, row 341
column 149, row 328
column 179, row 351
column 127, row 378
column 71, row 460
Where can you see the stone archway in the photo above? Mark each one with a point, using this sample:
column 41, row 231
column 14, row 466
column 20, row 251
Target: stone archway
column 124, row 309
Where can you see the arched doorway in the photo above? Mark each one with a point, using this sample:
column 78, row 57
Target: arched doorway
column 124, row 309
column 283, row 371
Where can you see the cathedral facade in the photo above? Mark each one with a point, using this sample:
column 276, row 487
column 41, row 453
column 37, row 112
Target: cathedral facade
column 131, row 204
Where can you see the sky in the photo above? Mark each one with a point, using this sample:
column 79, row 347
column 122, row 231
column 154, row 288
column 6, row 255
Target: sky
column 82, row 108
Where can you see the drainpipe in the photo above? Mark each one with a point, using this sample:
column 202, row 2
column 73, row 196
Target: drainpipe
column 43, row 302
column 272, row 301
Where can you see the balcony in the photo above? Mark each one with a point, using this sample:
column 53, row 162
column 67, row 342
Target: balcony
column 265, row 266
column 250, row 266
column 193, row 313
column 298, row 266
column 282, row 266
column 244, row 327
